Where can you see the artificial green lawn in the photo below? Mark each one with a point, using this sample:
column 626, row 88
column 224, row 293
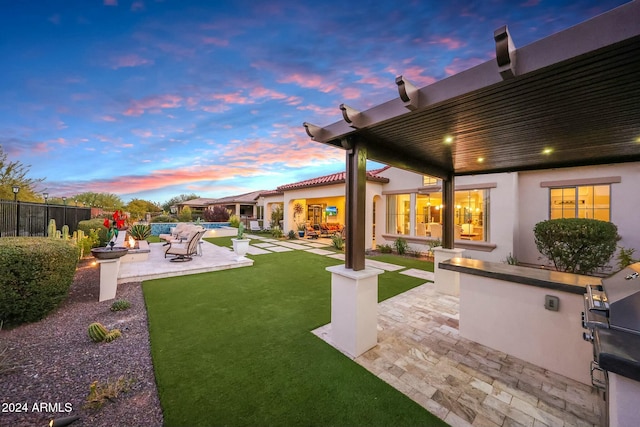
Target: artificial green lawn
column 234, row 347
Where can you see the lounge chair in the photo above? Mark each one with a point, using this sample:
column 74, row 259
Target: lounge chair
column 184, row 251
column 254, row 226
column 180, row 231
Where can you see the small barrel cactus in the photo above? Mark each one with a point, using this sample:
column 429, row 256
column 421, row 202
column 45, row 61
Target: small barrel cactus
column 112, row 335
column 97, row 332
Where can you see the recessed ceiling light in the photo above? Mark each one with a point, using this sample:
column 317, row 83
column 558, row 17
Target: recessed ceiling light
column 480, row 159
column 448, row 139
column 547, row 151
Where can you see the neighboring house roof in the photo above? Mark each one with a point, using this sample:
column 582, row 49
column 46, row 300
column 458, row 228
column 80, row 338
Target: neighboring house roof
column 247, row 199
column 200, row 201
column 268, row 193
column 335, row 178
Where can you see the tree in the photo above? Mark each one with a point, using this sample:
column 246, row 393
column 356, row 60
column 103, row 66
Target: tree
column 166, row 206
column 138, row 208
column 106, row 201
column 185, row 214
column 14, row 173
column 218, row 214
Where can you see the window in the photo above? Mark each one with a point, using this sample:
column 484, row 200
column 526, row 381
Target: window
column 429, row 180
column 471, row 207
column 585, row 201
column 398, row 213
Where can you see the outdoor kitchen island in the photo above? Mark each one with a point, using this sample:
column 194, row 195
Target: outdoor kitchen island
column 533, row 314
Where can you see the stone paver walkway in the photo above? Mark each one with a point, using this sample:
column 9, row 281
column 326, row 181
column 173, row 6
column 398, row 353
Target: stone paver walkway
column 421, row 353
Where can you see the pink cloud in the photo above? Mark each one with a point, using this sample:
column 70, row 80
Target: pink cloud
column 131, row 60
column 137, row 6
column 530, row 3
column 231, row 98
column 153, row 104
column 312, row 81
column 108, row 118
column 263, row 92
column 449, row 42
column 351, row 93
column 414, row 74
column 110, row 2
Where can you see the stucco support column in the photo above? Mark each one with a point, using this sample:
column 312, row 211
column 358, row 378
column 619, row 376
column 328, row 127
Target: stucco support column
column 108, row 278
column 354, row 309
column 238, row 210
column 446, row 281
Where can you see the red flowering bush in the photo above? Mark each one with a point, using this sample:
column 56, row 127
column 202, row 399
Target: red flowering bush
column 115, row 224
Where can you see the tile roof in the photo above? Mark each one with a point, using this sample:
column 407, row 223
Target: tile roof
column 334, row 178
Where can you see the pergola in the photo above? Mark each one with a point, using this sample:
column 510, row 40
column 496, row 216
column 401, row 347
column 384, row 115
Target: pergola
column 569, row 99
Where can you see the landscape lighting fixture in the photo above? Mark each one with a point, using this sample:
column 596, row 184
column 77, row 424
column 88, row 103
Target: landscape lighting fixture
column 15, row 190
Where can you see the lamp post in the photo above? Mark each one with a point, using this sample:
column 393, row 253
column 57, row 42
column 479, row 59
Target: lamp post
column 46, row 202
column 15, row 190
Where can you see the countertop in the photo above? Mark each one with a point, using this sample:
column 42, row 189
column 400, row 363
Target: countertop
column 566, row 282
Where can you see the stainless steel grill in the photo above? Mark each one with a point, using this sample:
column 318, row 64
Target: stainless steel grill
column 611, row 311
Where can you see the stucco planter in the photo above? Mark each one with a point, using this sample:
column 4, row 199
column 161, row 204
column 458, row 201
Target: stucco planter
column 240, row 248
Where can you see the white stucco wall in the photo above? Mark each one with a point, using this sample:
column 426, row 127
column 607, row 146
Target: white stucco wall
column 534, row 204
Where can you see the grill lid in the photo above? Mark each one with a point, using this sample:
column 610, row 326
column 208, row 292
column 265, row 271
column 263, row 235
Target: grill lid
column 623, row 295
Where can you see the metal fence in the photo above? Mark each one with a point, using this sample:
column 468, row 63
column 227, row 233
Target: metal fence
column 32, row 219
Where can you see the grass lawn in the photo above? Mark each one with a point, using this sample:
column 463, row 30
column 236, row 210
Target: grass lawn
column 234, row 347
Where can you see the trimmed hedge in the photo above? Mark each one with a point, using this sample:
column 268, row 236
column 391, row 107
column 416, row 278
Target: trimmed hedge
column 35, row 276
column 577, row 245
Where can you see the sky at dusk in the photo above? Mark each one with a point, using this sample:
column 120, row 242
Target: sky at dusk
column 155, row 98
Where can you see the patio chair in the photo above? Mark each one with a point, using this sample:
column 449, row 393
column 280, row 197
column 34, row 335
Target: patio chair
column 254, row 226
column 184, row 251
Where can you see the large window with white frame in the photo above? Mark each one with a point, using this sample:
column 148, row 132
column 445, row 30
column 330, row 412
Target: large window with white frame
column 399, row 214
column 471, row 208
column 581, row 201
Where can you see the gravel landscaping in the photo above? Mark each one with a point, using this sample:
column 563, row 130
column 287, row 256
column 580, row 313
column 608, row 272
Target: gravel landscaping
column 54, row 362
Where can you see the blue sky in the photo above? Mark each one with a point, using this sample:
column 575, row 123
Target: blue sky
column 155, row 98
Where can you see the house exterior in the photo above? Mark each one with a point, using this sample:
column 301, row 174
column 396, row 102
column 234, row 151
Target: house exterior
column 494, row 213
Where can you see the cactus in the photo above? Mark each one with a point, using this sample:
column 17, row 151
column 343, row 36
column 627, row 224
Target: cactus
column 65, row 232
column 51, row 230
column 97, row 332
column 112, row 335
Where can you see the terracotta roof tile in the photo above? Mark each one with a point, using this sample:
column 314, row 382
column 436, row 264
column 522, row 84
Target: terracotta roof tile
column 334, row 178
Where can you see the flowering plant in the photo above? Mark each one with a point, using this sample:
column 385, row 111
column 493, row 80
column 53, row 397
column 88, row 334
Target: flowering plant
column 115, row 224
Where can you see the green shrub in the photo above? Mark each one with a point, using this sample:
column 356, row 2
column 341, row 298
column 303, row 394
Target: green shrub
column 385, row 249
column 292, row 235
column 139, row 231
column 337, row 241
column 35, row 275
column 276, row 233
column 576, row 245
column 401, row 246
column 163, row 218
column 625, row 257
column 95, row 227
column 120, row 305
column 234, row 221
